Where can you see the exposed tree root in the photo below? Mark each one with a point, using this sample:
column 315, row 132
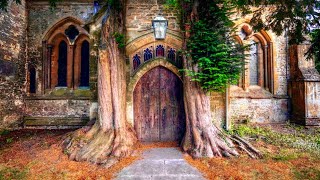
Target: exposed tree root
column 100, row 147
column 215, row 143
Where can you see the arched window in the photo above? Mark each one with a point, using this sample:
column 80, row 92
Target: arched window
column 253, row 64
column 172, row 55
column 66, row 56
column 62, row 64
column 84, row 73
column 259, row 69
column 32, row 76
column 160, row 51
column 136, row 61
column 147, row 54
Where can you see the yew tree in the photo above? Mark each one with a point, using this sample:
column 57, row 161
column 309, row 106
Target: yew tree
column 211, row 61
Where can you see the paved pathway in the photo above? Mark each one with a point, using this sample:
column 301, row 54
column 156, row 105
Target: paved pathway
column 160, row 164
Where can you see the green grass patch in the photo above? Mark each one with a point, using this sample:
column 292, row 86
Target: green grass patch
column 4, row 132
column 307, row 173
column 7, row 173
column 296, row 139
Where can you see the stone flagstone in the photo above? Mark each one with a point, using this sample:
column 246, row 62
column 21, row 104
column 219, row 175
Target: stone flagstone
column 158, row 164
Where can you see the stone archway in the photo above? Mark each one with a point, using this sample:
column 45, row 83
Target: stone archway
column 155, row 102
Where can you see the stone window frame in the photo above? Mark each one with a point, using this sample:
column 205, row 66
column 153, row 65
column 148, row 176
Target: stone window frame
column 265, row 58
column 50, row 45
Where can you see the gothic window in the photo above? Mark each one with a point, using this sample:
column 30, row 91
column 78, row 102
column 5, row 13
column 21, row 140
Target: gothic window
column 259, row 69
column 136, row 61
column 66, row 56
column 147, row 54
column 172, row 55
column 254, row 61
column 160, row 51
column 62, row 64
column 72, row 32
column 32, row 76
column 84, row 73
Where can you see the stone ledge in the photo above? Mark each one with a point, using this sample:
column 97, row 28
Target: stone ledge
column 47, row 122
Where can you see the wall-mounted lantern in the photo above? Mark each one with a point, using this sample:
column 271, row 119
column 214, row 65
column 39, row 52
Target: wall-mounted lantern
column 160, row 25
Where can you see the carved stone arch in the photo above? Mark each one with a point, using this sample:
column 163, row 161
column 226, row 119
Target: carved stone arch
column 136, row 77
column 261, row 38
column 53, row 35
column 140, row 42
column 61, row 22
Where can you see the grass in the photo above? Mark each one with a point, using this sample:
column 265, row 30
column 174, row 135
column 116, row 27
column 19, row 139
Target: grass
column 297, row 138
column 7, row 173
column 307, row 173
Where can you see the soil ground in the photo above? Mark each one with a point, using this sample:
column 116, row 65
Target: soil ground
column 37, row 154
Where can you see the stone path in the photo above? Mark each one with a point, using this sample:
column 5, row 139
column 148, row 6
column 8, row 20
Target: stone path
column 160, row 164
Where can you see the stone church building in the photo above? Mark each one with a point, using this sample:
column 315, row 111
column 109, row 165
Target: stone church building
column 49, row 72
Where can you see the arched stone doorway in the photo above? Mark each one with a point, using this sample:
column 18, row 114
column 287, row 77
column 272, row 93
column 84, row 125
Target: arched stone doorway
column 159, row 113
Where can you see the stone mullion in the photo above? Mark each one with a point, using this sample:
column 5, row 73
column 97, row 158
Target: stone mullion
column 77, row 65
column 270, row 55
column 70, row 66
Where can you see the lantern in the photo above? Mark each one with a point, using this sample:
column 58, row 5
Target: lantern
column 160, row 25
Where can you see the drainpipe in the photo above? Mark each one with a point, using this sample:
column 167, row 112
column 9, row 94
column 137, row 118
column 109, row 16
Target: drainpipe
column 228, row 123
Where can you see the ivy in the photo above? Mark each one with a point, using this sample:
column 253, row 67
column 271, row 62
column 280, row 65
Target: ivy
column 120, row 39
column 217, row 58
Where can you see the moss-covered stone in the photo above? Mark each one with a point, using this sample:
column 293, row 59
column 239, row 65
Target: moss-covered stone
column 82, row 92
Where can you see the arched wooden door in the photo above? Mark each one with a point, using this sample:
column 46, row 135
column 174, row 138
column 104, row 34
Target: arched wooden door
column 158, row 106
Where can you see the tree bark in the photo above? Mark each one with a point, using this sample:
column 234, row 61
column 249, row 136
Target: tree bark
column 111, row 137
column 202, row 137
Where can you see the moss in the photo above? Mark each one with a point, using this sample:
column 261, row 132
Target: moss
column 82, row 92
column 59, row 92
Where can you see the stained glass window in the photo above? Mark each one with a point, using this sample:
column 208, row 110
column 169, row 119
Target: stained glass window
column 172, row 55
column 160, row 51
column 136, row 61
column 147, row 54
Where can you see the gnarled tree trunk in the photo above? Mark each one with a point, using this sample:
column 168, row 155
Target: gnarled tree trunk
column 203, row 138
column 111, row 137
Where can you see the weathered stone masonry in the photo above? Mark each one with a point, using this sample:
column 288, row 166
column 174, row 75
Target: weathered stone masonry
column 12, row 63
column 31, row 33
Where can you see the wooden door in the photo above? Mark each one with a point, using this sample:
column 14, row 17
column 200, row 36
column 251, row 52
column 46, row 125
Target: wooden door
column 158, row 106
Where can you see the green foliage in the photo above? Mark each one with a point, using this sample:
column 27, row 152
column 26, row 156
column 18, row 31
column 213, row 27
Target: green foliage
column 4, row 132
column 120, row 39
column 306, row 173
column 314, row 51
column 286, row 155
column 296, row 16
column 4, row 4
column 9, row 140
column 297, row 139
column 217, row 58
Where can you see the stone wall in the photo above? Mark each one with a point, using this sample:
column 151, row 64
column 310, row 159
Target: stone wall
column 254, row 103
column 54, row 103
column 140, row 13
column 12, row 62
column 41, row 17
